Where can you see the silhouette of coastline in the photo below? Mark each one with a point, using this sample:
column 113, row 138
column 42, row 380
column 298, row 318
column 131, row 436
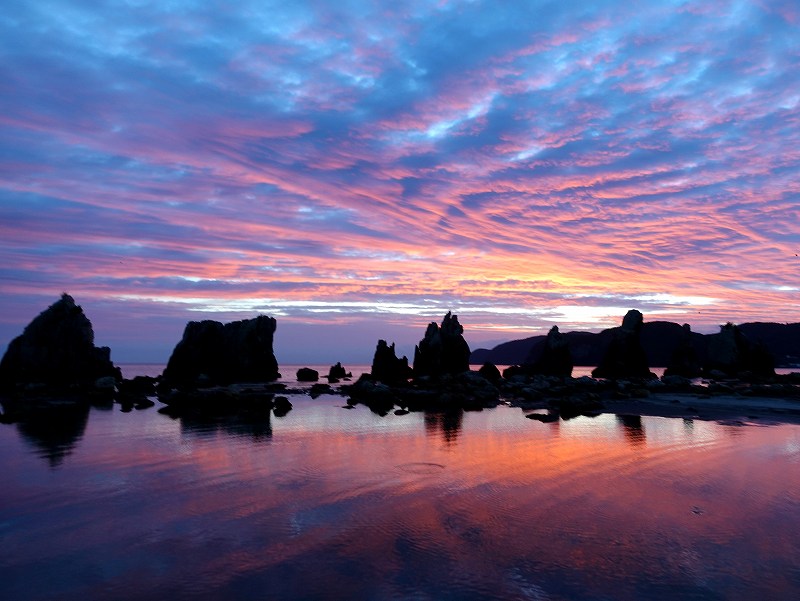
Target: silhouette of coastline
column 226, row 373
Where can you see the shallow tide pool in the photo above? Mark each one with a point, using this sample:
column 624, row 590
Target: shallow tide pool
column 331, row 503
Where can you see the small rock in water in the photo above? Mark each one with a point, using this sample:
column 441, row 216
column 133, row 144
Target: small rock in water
column 545, row 418
column 306, row 374
column 281, row 406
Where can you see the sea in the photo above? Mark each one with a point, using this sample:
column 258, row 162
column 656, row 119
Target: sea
column 329, row 502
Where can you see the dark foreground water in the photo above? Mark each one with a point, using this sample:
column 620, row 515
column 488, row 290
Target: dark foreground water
column 330, row 503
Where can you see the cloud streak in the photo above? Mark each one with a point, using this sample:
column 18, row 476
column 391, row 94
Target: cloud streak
column 364, row 164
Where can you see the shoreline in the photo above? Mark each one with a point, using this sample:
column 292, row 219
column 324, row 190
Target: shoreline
column 728, row 409
column 545, row 399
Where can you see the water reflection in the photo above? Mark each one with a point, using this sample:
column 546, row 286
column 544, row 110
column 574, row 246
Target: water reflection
column 55, row 432
column 446, row 424
column 257, row 429
column 343, row 504
column 632, row 429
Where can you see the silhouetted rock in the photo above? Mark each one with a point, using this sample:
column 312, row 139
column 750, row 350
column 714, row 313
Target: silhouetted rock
column 546, row 418
column 684, row 361
column 733, row 354
column 556, row 358
column 139, row 385
column 443, row 350
column 282, row 406
column 376, row 395
column 490, row 372
column 625, row 357
column 515, row 371
column 306, row 374
column 319, row 389
column 56, row 352
column 248, row 401
column 213, row 353
column 386, row 367
column 337, row 372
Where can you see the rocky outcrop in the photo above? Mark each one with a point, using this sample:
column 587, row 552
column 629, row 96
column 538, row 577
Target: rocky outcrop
column 56, row 353
column 731, row 353
column 337, row 372
column 684, row 361
column 556, row 358
column 625, row 357
column 443, row 350
column 212, row 353
column 386, row 367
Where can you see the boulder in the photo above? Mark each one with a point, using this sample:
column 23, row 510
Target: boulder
column 56, row 352
column 625, row 356
column 387, row 368
column 306, row 374
column 490, row 372
column 684, row 361
column 443, row 350
column 213, row 353
column 556, row 358
column 282, row 406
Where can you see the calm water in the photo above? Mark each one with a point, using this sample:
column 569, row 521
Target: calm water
column 330, row 503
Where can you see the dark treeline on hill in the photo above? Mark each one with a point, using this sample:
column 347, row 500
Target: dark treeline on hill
column 659, row 339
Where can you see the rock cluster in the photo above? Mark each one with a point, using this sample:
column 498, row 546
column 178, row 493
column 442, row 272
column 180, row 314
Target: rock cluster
column 625, row 357
column 212, row 353
column 56, row 353
column 731, row 353
column 443, row 350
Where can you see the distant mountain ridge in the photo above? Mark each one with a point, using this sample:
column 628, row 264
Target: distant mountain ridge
column 659, row 339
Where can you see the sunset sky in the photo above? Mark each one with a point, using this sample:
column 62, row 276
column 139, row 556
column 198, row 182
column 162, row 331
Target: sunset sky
column 357, row 169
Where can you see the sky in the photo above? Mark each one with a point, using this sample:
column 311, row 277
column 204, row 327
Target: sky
column 356, row 169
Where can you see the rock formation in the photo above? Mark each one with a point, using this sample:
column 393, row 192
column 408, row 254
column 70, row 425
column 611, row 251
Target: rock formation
column 731, row 353
column 386, row 367
column 306, row 374
column 490, row 372
column 684, row 361
column 212, row 353
column 337, row 372
column 625, row 357
column 556, row 358
column 443, row 350
column 56, row 352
